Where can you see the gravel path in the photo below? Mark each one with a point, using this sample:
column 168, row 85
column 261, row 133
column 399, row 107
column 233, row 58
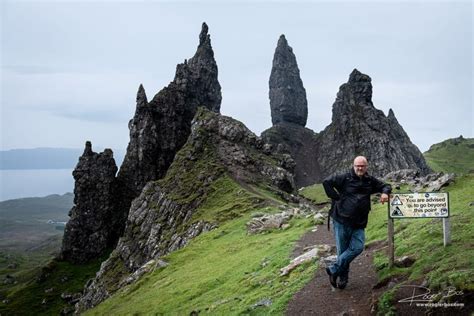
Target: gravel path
column 319, row 298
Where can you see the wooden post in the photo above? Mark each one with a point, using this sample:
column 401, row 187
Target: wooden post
column 391, row 243
column 446, row 231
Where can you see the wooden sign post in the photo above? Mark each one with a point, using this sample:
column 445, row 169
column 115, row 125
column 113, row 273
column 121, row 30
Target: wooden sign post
column 417, row 205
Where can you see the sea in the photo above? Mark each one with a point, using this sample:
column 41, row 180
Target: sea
column 15, row 184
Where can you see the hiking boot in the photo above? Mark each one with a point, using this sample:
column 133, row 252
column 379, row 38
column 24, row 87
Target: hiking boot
column 332, row 278
column 342, row 283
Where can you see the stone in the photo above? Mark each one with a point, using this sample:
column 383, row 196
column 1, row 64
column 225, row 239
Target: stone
column 68, row 310
column 328, row 260
column 263, row 302
column 358, row 128
column 404, row 262
column 71, row 298
column 313, row 254
column 8, row 279
column 406, row 175
column 268, row 222
column 287, row 94
column 440, row 180
column 94, row 225
column 12, row 266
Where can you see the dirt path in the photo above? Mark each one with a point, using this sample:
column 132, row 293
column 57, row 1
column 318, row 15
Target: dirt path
column 319, row 298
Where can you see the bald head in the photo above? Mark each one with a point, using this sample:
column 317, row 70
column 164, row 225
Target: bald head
column 360, row 165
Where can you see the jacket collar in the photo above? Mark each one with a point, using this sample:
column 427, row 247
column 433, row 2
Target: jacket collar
column 354, row 175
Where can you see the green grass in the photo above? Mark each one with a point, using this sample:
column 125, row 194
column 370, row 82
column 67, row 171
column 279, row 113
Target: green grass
column 46, row 285
column 423, row 240
column 227, row 200
column 222, row 272
column 315, row 193
column 453, row 155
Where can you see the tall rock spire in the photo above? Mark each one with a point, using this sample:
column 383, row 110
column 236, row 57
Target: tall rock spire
column 287, row 95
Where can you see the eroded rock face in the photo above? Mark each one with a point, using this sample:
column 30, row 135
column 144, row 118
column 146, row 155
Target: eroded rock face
column 162, row 219
column 358, row 128
column 287, row 94
column 93, row 223
column 301, row 144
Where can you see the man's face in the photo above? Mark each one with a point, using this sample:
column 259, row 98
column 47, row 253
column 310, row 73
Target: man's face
column 360, row 166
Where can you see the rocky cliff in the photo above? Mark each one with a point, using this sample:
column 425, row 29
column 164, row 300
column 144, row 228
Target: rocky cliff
column 170, row 212
column 93, row 225
column 158, row 130
column 358, row 128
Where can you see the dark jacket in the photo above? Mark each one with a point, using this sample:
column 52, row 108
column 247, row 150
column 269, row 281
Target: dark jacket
column 350, row 196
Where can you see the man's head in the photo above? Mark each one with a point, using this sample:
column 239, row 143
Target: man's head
column 360, row 165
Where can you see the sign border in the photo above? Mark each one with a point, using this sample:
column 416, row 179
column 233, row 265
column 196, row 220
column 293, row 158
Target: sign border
column 417, row 217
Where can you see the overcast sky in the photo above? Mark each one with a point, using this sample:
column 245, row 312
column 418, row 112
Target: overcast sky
column 70, row 70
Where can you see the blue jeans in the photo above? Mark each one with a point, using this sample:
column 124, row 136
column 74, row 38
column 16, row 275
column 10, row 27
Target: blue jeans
column 349, row 244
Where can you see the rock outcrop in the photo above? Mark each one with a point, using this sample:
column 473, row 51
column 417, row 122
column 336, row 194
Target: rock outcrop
column 93, row 223
column 358, row 128
column 287, row 94
column 165, row 216
column 301, row 144
column 432, row 182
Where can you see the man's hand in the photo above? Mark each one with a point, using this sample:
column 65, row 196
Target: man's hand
column 384, row 198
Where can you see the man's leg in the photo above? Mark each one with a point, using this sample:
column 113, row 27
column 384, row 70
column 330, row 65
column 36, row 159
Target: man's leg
column 356, row 246
column 342, row 235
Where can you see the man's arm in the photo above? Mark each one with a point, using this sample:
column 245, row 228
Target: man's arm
column 333, row 183
column 381, row 187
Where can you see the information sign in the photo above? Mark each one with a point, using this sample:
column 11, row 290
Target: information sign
column 426, row 204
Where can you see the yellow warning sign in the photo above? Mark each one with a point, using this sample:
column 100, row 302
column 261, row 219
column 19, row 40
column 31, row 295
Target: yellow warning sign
column 429, row 204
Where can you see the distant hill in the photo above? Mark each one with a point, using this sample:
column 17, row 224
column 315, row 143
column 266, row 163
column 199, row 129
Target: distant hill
column 452, row 155
column 45, row 158
column 27, row 222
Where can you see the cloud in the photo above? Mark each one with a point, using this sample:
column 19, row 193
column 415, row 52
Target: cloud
column 86, row 113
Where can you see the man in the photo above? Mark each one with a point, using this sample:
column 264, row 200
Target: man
column 350, row 193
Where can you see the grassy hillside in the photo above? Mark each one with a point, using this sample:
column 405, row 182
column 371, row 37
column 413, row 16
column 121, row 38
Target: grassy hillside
column 225, row 271
column 452, row 155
